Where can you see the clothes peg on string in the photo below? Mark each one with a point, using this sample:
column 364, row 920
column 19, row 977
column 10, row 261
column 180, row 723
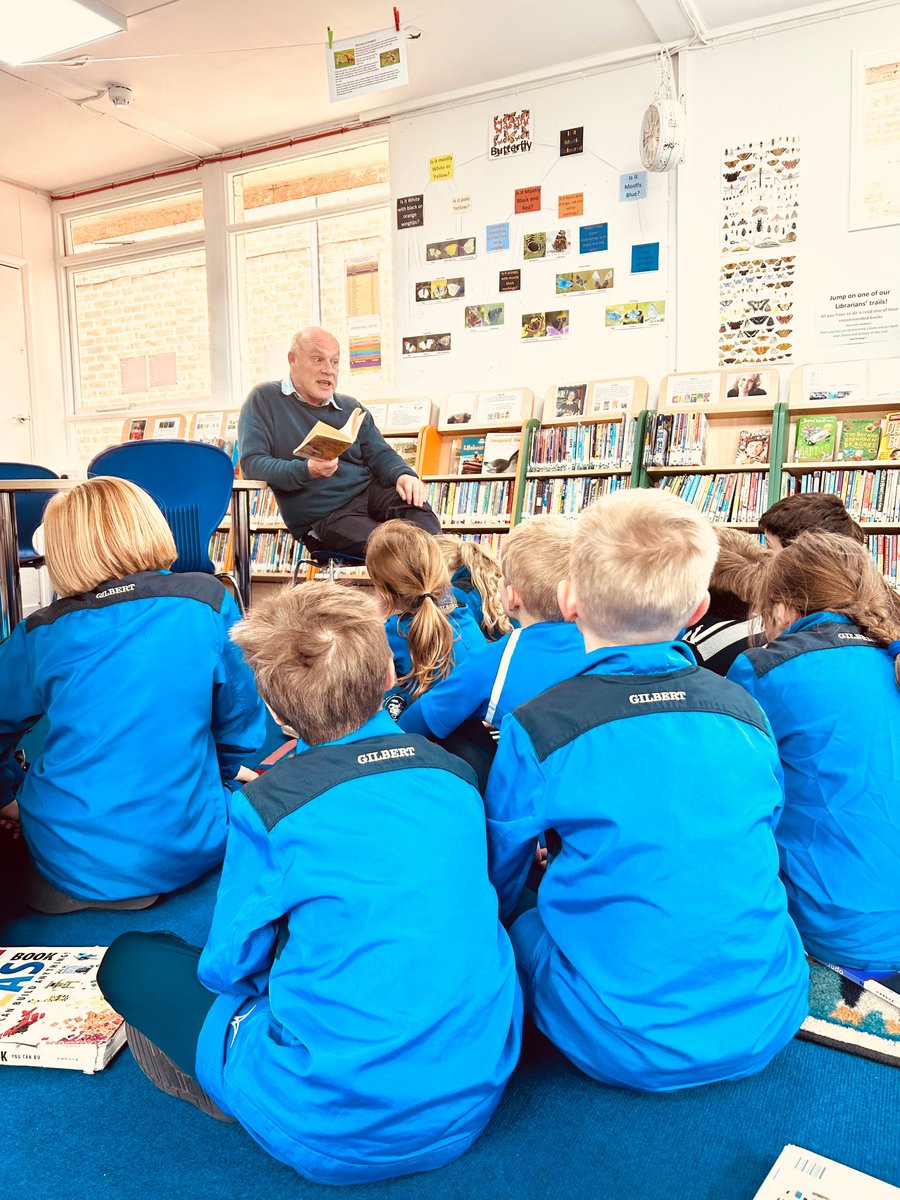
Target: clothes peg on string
column 396, row 18
column 330, row 37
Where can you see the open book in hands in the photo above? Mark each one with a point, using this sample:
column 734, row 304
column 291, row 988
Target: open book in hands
column 325, row 442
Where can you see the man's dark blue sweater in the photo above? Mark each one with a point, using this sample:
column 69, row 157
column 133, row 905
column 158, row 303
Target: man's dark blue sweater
column 274, row 422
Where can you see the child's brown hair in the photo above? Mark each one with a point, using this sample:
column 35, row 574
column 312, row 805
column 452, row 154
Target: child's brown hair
column 827, row 572
column 535, row 558
column 409, row 574
column 320, row 657
column 809, row 512
column 484, row 571
column 740, row 559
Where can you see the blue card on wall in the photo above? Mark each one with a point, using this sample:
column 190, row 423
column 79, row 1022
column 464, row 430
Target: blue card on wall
column 633, row 186
column 497, row 236
column 593, row 237
column 645, row 257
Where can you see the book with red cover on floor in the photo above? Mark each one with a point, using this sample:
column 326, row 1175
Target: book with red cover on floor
column 325, row 442
column 52, row 1013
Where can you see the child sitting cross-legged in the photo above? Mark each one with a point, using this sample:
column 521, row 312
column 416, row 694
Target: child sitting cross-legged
column 543, row 651
column 660, row 954
column 475, row 582
column 429, row 631
column 356, row 1007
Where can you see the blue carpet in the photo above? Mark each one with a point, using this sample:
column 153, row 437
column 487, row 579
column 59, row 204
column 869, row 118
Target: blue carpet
column 112, row 1136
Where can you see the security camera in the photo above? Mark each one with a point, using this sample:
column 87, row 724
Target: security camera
column 120, row 96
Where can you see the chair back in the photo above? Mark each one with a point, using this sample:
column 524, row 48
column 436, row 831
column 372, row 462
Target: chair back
column 29, row 506
column 190, row 481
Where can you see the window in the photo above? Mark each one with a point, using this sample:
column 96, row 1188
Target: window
column 134, row 224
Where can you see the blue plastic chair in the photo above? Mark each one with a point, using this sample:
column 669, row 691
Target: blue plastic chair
column 29, row 508
column 190, row 481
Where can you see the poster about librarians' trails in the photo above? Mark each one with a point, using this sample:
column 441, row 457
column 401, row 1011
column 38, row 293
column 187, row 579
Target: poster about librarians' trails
column 875, row 140
column 370, row 62
column 760, row 195
column 509, row 133
column 756, row 310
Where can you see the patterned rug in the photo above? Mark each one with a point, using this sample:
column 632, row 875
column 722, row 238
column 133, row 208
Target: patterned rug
column 845, row 1017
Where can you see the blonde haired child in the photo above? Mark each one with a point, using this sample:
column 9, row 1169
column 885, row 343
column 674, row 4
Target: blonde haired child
column 828, row 682
column 150, row 708
column 660, row 954
column 475, row 580
column 356, row 1006
column 427, row 629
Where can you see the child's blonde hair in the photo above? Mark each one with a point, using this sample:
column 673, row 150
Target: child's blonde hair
column 484, row 571
column 104, row 529
column 641, row 563
column 828, row 572
column 535, row 557
column 741, row 557
column 408, row 572
column 320, row 657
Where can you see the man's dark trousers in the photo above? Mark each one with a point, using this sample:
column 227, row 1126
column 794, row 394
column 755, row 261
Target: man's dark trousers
column 347, row 529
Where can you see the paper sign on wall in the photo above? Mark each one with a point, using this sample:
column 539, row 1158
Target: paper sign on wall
column 497, row 236
column 370, row 62
column 633, row 186
column 510, row 281
column 645, row 257
column 461, row 203
column 528, row 199
column 410, row 212
column 859, row 315
column 571, row 204
column 440, row 167
column 593, row 237
column 571, row 141
column 510, row 133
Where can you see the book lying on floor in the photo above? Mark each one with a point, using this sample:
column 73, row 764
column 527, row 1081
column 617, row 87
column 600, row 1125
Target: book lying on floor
column 324, row 441
column 883, row 984
column 801, row 1175
column 52, row 1013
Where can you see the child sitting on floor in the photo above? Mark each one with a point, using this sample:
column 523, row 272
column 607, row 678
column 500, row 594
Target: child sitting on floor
column 661, row 954
column 724, row 630
column 828, row 683
column 475, row 580
column 362, row 1013
column 428, row 630
column 150, row 707
column 543, row 651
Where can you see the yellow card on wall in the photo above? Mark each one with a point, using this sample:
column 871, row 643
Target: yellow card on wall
column 441, row 166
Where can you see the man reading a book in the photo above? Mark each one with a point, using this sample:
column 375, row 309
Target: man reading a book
column 332, row 502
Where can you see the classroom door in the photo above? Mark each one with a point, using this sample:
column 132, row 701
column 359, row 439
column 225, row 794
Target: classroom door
column 15, row 386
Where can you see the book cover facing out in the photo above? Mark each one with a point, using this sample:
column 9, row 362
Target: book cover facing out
column 471, row 455
column 52, row 1013
column 860, row 439
column 816, row 436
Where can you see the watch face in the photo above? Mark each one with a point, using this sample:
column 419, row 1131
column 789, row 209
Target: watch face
column 650, row 135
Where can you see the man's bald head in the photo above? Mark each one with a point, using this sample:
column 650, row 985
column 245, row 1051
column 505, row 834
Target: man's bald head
column 314, row 359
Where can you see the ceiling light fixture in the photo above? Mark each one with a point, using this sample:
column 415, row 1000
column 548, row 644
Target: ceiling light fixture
column 36, row 28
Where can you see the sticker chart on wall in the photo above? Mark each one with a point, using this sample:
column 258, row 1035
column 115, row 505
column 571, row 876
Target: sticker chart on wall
column 756, row 310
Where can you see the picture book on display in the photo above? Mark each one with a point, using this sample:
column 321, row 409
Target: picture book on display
column 860, row 439
column 752, row 447
column 471, row 455
column 52, row 1013
column 407, row 448
column 501, row 453
column 890, row 437
column 816, row 437
column 799, row 1174
column 325, row 442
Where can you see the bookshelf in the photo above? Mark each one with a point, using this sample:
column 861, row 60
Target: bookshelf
column 473, row 461
column 717, row 440
column 864, row 391
column 584, row 447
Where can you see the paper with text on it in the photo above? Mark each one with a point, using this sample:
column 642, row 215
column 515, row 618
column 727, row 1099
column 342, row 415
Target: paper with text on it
column 800, row 1174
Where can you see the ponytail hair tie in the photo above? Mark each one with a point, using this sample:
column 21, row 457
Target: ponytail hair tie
column 894, row 648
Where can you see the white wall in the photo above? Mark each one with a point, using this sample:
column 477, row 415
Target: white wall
column 610, row 107
column 792, row 83
column 26, row 236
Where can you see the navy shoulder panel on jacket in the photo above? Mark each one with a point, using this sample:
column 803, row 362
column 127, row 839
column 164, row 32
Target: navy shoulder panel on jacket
column 293, row 782
column 578, row 705
column 830, row 635
column 146, row 585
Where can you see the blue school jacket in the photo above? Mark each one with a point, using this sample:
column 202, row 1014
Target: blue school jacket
column 661, row 954
column 467, row 593
column 151, row 710
column 829, row 693
column 467, row 638
column 493, row 681
column 369, row 1013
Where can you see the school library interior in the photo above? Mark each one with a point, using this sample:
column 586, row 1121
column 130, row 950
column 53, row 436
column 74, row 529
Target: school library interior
column 516, row 391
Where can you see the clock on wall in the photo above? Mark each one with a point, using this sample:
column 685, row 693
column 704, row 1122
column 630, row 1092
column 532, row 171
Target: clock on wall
column 662, row 134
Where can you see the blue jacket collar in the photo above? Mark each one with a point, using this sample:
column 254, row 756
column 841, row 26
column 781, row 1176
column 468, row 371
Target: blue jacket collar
column 381, row 725
column 818, row 618
column 652, row 658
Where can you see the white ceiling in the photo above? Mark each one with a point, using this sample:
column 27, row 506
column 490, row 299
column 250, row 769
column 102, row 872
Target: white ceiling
column 213, row 75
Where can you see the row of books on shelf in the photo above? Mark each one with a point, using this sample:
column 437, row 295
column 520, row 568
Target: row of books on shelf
column 872, row 495
column 826, row 438
column 263, row 506
column 680, row 440
column 485, row 454
column 606, row 445
column 883, row 548
column 723, row 496
column 567, row 496
column 473, row 502
column 490, row 541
